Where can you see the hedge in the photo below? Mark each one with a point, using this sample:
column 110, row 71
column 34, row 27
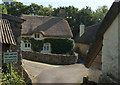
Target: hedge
column 58, row 46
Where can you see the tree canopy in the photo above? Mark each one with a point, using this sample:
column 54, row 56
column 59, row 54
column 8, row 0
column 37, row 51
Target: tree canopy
column 73, row 15
column 3, row 8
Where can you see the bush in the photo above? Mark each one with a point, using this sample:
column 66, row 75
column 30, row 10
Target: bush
column 36, row 45
column 13, row 79
column 60, row 46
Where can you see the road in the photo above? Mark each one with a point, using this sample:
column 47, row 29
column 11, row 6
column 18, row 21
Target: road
column 45, row 73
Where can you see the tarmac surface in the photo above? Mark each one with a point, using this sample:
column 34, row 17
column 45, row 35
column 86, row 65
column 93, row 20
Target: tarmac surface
column 46, row 73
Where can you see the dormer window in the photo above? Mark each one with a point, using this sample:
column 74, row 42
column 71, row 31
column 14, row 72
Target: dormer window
column 37, row 36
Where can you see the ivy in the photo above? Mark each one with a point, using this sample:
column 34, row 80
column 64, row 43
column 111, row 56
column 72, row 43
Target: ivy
column 58, row 46
column 36, row 45
column 26, row 39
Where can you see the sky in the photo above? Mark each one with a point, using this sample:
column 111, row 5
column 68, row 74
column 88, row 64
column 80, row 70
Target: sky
column 76, row 3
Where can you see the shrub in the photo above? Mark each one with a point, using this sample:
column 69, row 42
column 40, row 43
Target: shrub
column 36, row 45
column 60, row 46
column 13, row 79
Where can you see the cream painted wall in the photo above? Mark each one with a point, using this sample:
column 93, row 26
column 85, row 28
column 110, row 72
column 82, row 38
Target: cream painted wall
column 32, row 36
column 83, row 48
column 41, row 36
column 110, row 50
column 23, row 47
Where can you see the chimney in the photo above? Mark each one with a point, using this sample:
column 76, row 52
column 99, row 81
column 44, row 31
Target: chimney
column 82, row 28
column 62, row 13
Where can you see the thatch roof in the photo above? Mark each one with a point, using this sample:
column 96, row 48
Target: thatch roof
column 97, row 45
column 89, row 35
column 47, row 25
column 12, row 18
column 6, row 33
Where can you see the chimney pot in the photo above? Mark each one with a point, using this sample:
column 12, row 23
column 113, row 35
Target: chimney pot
column 82, row 29
column 62, row 13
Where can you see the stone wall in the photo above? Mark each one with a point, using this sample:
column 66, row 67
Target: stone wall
column 50, row 58
column 16, row 28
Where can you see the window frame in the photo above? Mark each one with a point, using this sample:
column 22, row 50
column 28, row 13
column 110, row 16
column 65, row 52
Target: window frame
column 27, row 45
column 46, row 47
column 36, row 36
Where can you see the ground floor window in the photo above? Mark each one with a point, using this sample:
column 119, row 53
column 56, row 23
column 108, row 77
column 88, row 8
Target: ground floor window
column 46, row 48
column 27, row 45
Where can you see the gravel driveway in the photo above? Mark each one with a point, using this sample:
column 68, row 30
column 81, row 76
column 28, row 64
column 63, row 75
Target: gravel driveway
column 45, row 73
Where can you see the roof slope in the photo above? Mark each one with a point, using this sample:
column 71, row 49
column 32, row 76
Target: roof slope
column 89, row 36
column 97, row 46
column 6, row 16
column 6, row 34
column 48, row 26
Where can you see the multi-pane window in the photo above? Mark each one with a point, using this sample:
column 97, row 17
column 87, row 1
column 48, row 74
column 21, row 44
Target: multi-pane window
column 46, row 47
column 37, row 36
column 27, row 45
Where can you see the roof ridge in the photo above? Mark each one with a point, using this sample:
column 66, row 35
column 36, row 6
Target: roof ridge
column 93, row 25
column 40, row 16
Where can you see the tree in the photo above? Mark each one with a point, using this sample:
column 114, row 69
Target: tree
column 33, row 9
column 3, row 8
column 70, row 15
column 86, row 15
column 73, row 15
column 15, row 8
column 99, row 14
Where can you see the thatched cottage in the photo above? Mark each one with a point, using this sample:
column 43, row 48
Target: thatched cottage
column 104, row 56
column 46, row 31
column 85, row 38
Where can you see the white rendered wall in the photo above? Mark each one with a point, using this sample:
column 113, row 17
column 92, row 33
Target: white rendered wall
column 23, row 47
column 110, row 50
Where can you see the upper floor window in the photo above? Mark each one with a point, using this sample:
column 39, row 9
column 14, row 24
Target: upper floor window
column 37, row 35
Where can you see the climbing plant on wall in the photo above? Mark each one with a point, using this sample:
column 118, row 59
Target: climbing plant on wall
column 36, row 45
column 58, row 46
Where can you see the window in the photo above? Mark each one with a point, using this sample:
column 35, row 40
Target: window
column 27, row 45
column 46, row 47
column 37, row 36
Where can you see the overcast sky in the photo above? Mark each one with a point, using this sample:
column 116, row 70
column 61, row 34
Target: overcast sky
column 77, row 3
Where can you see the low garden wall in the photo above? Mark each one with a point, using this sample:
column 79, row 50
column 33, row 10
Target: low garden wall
column 50, row 58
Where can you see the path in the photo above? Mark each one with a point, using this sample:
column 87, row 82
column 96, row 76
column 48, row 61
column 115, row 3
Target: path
column 35, row 68
column 45, row 73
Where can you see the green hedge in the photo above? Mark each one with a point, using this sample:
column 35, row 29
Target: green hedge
column 36, row 45
column 58, row 46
